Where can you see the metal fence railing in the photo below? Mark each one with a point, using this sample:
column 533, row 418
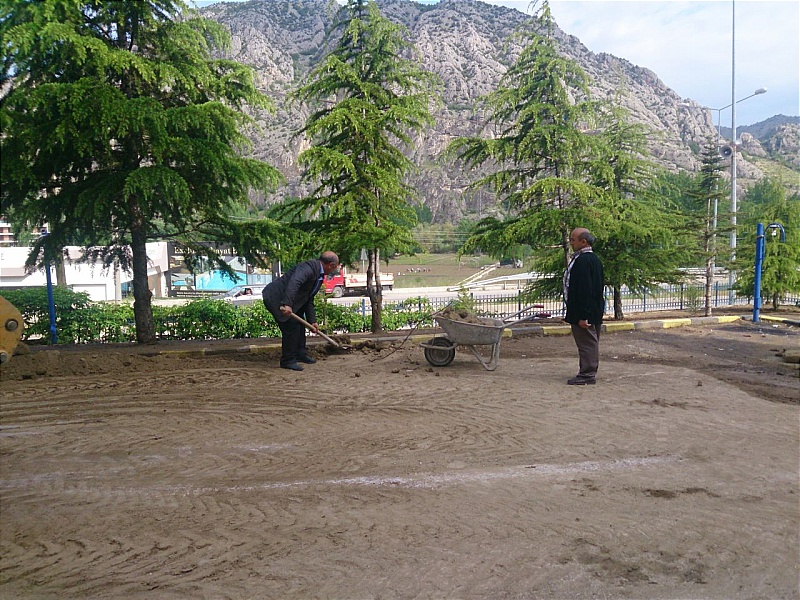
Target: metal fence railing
column 503, row 304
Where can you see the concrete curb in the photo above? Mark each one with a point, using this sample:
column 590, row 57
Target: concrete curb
column 783, row 320
column 543, row 330
column 615, row 327
column 200, row 352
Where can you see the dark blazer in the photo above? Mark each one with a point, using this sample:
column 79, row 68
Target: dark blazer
column 295, row 288
column 585, row 293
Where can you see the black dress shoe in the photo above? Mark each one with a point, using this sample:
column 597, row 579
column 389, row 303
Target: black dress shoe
column 580, row 381
column 307, row 359
column 293, row 366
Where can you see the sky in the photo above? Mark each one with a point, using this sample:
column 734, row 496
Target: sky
column 688, row 44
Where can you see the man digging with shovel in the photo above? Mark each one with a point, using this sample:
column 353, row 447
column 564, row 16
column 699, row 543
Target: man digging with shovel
column 292, row 296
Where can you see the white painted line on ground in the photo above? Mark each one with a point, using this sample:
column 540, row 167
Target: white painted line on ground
column 439, row 480
column 419, row 481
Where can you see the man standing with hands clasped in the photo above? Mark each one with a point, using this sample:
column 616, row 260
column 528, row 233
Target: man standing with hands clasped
column 294, row 292
column 583, row 294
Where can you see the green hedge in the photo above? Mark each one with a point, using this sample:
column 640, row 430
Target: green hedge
column 81, row 321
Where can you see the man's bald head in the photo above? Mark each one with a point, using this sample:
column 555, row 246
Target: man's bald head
column 581, row 238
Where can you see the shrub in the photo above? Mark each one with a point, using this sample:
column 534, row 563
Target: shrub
column 342, row 319
column 693, row 298
column 79, row 320
column 32, row 302
column 99, row 322
column 205, row 319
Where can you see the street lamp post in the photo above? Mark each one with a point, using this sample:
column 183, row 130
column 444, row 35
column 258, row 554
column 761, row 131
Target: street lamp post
column 760, row 251
column 51, row 305
column 731, row 275
column 758, row 92
column 734, row 148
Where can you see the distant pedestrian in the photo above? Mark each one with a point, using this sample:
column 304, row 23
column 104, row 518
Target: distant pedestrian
column 583, row 294
column 294, row 293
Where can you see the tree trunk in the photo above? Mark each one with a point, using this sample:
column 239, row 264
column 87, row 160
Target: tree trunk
column 61, row 272
column 709, row 285
column 618, row 314
column 142, row 305
column 374, row 290
column 776, row 300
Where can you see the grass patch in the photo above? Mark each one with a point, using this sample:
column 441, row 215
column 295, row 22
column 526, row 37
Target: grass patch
column 437, row 270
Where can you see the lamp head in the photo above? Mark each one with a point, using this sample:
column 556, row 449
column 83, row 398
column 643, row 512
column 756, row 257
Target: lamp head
column 760, row 91
column 775, row 229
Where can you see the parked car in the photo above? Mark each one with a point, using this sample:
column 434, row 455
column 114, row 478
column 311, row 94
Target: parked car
column 243, row 294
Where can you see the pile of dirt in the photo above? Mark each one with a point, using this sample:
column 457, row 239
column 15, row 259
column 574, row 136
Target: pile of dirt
column 462, row 315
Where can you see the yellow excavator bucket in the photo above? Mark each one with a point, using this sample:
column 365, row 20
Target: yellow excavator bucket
column 11, row 326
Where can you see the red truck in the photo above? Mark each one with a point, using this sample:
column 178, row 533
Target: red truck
column 354, row 283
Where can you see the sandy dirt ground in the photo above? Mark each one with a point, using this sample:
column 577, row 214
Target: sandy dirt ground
column 374, row 475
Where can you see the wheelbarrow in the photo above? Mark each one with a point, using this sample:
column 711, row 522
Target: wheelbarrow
column 440, row 351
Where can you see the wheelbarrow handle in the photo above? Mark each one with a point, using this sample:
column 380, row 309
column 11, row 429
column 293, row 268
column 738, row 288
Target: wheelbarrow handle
column 311, row 328
column 523, row 310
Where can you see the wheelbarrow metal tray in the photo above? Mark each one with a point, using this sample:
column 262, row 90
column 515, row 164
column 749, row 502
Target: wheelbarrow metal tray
column 487, row 332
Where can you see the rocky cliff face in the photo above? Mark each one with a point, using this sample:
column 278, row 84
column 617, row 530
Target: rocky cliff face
column 784, row 141
column 465, row 42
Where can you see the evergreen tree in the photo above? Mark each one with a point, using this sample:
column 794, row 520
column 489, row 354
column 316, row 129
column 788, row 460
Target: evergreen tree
column 767, row 202
column 703, row 217
column 369, row 100
column 560, row 161
column 538, row 153
column 120, row 128
column 638, row 234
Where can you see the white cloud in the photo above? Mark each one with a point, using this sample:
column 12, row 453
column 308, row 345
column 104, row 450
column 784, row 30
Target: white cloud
column 689, row 46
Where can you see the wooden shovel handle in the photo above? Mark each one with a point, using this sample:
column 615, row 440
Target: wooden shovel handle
column 311, row 328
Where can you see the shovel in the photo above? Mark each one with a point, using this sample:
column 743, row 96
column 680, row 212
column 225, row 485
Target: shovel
column 330, row 340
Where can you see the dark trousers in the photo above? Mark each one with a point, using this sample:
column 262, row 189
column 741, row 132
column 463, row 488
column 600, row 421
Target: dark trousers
column 588, row 343
column 293, row 341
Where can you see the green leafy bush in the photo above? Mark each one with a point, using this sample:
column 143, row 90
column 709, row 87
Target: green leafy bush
column 410, row 312
column 32, row 302
column 99, row 322
column 80, row 321
column 341, row 319
column 206, row 319
column 256, row 322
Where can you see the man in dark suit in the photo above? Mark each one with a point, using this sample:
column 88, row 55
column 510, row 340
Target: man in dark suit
column 294, row 292
column 583, row 293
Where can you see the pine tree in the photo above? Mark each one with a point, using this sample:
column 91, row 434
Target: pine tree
column 638, row 236
column 368, row 101
column 120, row 128
column 767, row 202
column 703, row 217
column 538, row 152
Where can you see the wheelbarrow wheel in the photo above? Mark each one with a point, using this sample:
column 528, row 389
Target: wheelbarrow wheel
column 443, row 354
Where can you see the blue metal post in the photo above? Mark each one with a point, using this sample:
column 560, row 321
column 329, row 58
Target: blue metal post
column 51, row 304
column 757, row 278
column 760, row 252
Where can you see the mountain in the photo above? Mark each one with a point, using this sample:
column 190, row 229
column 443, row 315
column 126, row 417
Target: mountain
column 763, row 130
column 465, row 42
column 779, row 138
